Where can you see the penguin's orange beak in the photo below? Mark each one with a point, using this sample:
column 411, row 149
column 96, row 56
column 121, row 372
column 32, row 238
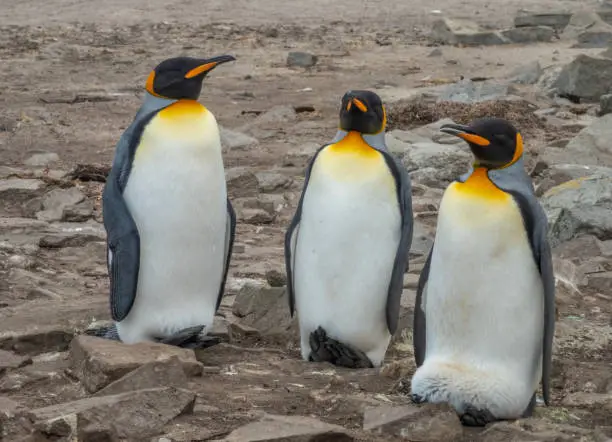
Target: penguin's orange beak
column 358, row 104
column 466, row 133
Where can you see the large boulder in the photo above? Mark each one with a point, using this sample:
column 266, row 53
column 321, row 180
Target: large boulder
column 585, row 77
column 581, row 206
column 589, row 30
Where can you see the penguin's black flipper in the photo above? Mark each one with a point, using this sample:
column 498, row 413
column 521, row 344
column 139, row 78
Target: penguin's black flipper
column 326, row 349
column 476, row 417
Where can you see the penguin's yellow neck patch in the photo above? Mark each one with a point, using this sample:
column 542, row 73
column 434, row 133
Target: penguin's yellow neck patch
column 183, row 109
column 479, row 185
column 352, row 159
column 354, row 145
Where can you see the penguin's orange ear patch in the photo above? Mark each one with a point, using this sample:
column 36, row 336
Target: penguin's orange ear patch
column 474, row 139
column 149, row 84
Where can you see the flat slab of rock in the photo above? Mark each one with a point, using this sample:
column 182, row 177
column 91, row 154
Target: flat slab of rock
column 47, row 325
column 156, row 374
column 463, row 32
column 9, row 360
column 138, row 414
column 556, row 20
column 425, row 423
column 273, row 428
column 97, row 362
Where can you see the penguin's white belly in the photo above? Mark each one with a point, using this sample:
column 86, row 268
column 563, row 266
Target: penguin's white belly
column 176, row 194
column 346, row 246
column 484, row 307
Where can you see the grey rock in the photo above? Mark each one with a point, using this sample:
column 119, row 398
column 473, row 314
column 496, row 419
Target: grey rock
column 42, row 159
column 591, row 145
column 55, row 201
column 585, row 77
column 589, row 30
column 556, row 20
column 301, row 59
column 536, row 430
column 467, row 91
column 605, row 104
column 276, row 278
column 463, row 32
column 557, row 174
column 528, row 73
column 277, row 114
column 273, row 428
column 581, row 206
column 20, row 262
column 255, row 216
column 427, row 423
column 529, row 34
column 233, row 140
column 263, row 308
column 18, row 184
column 437, row 52
column 436, row 165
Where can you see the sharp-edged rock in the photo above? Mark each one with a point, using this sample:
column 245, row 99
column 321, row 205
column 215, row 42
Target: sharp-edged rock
column 241, row 182
column 16, row 192
column 155, row 374
column 556, row 20
column 558, row 174
column 55, row 201
column 591, row 146
column 580, row 206
column 73, row 235
column 9, row 361
column 273, row 428
column 605, row 104
column 97, row 362
column 589, row 30
column 45, row 326
column 263, row 308
column 585, row 77
column 536, row 430
column 301, row 59
column 42, row 159
column 79, row 212
column 427, row 423
column 529, row 34
column 463, row 32
column 273, row 181
column 133, row 415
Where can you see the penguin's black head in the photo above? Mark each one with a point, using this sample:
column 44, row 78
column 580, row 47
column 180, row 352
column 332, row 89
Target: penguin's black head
column 181, row 77
column 363, row 112
column 495, row 142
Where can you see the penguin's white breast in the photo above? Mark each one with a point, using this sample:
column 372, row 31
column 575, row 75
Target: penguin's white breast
column 348, row 238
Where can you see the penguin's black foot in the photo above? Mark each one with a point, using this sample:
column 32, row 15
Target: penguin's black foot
column 190, row 338
column 415, row 398
column 326, row 349
column 109, row 332
column 475, row 417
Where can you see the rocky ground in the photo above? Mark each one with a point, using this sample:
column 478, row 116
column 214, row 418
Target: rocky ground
column 72, row 80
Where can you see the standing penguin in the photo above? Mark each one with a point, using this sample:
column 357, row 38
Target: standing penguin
column 346, row 249
column 484, row 314
column 169, row 222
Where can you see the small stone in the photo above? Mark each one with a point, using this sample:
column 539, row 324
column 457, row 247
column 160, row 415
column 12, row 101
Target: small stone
column 241, row 182
column 273, row 181
column 605, row 104
column 69, row 236
column 529, row 34
column 426, row 423
column 437, row 52
column 11, row 361
column 276, row 278
column 301, row 59
column 273, row 428
column 97, row 362
column 463, row 32
column 236, row 328
column 234, row 140
column 42, row 159
column 20, row 262
column 467, row 91
column 255, row 216
column 589, row 400
column 277, row 114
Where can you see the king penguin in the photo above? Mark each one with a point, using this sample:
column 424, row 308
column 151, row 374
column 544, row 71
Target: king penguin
column 346, row 249
column 170, row 225
column 485, row 304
